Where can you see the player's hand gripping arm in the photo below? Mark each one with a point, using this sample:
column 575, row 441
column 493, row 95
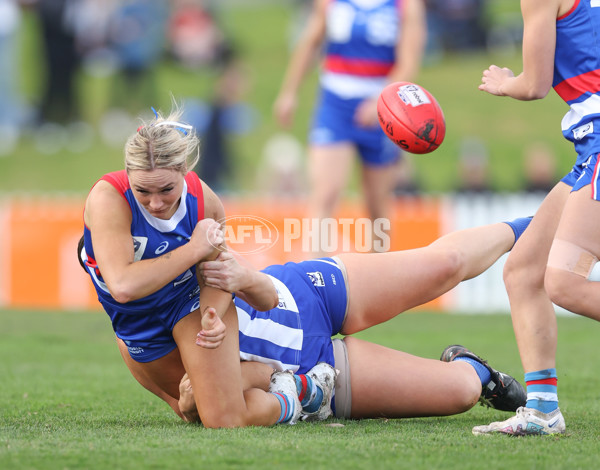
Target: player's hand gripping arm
column 253, row 286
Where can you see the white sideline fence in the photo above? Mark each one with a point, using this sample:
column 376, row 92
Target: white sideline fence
column 486, row 293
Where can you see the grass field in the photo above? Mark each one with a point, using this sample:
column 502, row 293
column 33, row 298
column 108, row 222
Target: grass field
column 68, row 402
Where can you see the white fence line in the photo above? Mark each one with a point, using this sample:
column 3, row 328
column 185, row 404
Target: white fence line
column 485, row 293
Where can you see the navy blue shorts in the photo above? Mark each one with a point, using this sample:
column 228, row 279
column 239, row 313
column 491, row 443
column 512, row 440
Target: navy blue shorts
column 150, row 336
column 583, row 174
column 333, row 122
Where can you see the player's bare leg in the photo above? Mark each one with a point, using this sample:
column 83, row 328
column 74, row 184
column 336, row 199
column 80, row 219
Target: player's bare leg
column 574, row 253
column 394, row 384
column 328, row 170
column 378, row 184
column 532, row 312
column 534, row 323
column 161, row 376
column 216, row 378
column 383, row 285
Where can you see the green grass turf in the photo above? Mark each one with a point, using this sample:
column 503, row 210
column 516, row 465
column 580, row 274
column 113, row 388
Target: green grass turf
column 67, row 401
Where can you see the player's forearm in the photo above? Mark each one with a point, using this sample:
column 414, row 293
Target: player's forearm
column 523, row 88
column 301, row 62
column 142, row 278
column 259, row 291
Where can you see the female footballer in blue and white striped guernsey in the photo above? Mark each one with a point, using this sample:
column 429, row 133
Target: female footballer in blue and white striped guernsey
column 321, row 298
column 552, row 263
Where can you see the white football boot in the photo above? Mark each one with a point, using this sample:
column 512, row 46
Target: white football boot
column 526, row 422
column 324, row 376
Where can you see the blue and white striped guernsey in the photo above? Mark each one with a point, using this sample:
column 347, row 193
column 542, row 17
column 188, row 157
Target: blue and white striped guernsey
column 296, row 334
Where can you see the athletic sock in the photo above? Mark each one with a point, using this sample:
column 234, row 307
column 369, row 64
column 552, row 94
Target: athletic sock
column 542, row 394
column 519, row 225
column 287, row 407
column 309, row 393
column 482, row 371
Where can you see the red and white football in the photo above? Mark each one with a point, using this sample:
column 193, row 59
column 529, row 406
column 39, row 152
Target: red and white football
column 411, row 117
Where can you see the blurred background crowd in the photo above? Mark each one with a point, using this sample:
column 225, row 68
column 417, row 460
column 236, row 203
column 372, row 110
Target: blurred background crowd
column 51, row 50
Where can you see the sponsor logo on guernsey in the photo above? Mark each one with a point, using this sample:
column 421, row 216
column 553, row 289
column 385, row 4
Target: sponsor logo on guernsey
column 581, row 131
column 317, row 279
column 595, row 3
column 133, row 349
column 162, row 248
column 186, row 277
column 139, row 247
column 412, row 95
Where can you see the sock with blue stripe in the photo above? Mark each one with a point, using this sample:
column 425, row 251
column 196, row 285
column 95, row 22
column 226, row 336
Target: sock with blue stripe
column 482, row 371
column 309, row 393
column 542, row 390
column 287, row 407
column 519, row 225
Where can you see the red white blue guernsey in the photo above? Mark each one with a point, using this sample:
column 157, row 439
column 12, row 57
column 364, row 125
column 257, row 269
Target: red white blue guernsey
column 361, row 46
column 296, row 335
column 151, row 318
column 577, row 75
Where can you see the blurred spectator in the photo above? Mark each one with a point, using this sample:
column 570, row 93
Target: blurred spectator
column 473, row 167
column 197, row 42
column 195, row 38
column 12, row 110
column 59, row 98
column 137, row 37
column 540, row 168
column 457, row 25
column 281, row 172
column 223, row 116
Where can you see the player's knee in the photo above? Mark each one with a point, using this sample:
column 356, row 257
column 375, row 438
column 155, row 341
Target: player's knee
column 451, row 264
column 468, row 399
column 519, row 274
column 466, row 392
column 222, row 420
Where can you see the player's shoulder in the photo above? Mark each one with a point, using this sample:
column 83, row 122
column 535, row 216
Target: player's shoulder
column 213, row 206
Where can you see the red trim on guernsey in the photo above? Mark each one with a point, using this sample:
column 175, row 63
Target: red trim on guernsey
column 361, row 67
column 595, row 178
column 195, row 189
column 571, row 10
column 302, row 393
column 572, row 88
column 91, row 262
column 552, row 381
column 119, row 180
